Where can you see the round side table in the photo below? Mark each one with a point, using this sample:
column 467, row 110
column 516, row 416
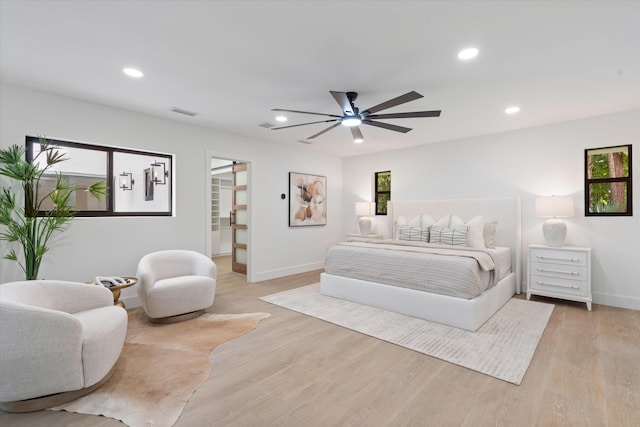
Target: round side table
column 116, row 289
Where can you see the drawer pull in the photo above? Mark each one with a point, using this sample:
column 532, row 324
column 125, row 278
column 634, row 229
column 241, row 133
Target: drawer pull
column 558, row 258
column 558, row 285
column 572, row 273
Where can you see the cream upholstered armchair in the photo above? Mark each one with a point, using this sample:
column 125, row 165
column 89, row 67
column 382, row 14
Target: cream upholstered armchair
column 58, row 341
column 175, row 285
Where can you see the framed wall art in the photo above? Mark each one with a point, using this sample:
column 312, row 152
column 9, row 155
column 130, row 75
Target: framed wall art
column 307, row 200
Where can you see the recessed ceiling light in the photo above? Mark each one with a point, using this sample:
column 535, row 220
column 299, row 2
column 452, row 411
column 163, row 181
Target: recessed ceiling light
column 281, row 118
column 358, row 140
column 132, row 72
column 468, row 53
column 512, row 110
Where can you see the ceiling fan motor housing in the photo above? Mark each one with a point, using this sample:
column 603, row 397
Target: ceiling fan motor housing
column 352, row 96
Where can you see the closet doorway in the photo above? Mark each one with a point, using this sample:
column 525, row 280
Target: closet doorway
column 229, row 211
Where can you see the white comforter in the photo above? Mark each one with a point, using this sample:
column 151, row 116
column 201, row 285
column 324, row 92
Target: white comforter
column 456, row 271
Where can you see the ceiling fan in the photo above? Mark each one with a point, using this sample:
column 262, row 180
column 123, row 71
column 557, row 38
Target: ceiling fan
column 352, row 117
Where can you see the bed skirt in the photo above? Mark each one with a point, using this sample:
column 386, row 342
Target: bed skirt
column 461, row 313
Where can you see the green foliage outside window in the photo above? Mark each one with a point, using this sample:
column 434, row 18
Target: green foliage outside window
column 383, row 191
column 608, row 181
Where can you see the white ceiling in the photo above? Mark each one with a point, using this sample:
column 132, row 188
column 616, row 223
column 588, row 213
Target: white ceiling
column 233, row 61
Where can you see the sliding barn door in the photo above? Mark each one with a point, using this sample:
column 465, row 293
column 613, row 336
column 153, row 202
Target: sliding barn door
column 239, row 216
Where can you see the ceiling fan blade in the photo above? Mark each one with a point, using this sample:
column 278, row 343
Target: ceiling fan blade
column 304, row 124
column 407, row 97
column 357, row 134
column 304, row 112
column 386, row 126
column 343, row 101
column 435, row 113
column 325, row 130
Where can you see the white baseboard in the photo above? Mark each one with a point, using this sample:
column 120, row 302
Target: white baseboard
column 282, row 272
column 631, row 303
column 221, row 254
column 132, row 301
column 620, row 301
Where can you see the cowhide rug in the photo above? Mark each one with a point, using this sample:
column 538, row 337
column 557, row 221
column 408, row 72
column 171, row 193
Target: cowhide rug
column 160, row 367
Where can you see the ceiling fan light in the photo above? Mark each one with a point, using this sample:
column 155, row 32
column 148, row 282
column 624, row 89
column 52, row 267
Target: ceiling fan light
column 351, row 121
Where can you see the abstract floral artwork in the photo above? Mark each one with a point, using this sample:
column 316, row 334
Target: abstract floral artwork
column 307, row 200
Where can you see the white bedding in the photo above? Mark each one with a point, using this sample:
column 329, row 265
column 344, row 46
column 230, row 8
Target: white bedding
column 440, row 269
column 463, row 313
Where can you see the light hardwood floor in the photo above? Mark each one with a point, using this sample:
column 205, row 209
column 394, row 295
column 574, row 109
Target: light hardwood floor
column 294, row 370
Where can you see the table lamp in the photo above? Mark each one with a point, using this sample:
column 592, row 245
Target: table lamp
column 364, row 210
column 554, row 207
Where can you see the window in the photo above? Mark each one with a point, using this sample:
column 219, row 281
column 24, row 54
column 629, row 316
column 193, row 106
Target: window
column 608, row 181
column 138, row 182
column 383, row 191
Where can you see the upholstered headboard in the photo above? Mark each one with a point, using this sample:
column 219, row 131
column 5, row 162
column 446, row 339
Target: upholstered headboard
column 506, row 211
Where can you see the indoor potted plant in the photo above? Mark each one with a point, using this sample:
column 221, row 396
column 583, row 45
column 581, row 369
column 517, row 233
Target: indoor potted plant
column 25, row 221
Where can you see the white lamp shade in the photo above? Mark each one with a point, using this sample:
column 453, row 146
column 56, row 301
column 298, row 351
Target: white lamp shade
column 554, row 206
column 365, row 208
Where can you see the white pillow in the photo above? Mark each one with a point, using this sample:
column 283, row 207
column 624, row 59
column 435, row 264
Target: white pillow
column 449, row 236
column 489, row 232
column 476, row 227
column 427, row 220
column 442, row 222
column 414, row 234
column 415, row 222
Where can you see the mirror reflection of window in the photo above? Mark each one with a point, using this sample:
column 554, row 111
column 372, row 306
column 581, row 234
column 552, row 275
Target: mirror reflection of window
column 608, row 181
column 141, row 198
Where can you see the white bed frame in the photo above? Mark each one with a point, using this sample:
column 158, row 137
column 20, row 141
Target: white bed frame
column 462, row 313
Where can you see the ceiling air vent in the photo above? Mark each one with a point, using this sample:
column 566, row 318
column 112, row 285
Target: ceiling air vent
column 266, row 125
column 183, row 111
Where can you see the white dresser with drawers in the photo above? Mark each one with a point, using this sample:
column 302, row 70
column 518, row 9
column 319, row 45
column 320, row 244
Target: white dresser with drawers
column 560, row 272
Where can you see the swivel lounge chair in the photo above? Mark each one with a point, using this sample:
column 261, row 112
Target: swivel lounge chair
column 176, row 285
column 58, row 341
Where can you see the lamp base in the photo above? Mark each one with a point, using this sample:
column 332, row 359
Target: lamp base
column 555, row 231
column 365, row 226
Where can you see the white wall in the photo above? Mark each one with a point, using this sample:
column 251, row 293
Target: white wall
column 539, row 161
column 113, row 246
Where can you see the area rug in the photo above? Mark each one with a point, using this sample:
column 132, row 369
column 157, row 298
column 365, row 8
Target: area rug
column 160, row 367
column 502, row 348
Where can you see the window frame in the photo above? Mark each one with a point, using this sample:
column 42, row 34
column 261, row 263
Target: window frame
column 626, row 179
column 380, row 210
column 31, row 141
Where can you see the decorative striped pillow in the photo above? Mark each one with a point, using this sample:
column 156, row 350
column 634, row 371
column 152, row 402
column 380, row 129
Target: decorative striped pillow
column 449, row 236
column 415, row 234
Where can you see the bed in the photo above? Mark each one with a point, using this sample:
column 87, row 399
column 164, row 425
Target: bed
column 463, row 308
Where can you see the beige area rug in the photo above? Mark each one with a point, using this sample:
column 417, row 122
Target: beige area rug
column 502, row 347
column 160, row 368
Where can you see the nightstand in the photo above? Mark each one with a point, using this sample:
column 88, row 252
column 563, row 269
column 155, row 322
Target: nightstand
column 366, row 236
column 560, row 272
